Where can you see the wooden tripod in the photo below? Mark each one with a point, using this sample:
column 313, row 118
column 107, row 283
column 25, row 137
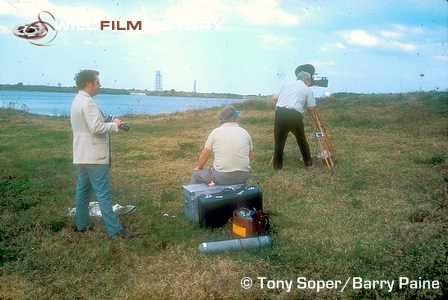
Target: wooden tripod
column 323, row 140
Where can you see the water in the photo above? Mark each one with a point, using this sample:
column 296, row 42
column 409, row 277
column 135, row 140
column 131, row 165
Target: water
column 57, row 104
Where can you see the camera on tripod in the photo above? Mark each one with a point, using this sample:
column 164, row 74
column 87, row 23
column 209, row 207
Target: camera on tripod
column 122, row 126
column 318, row 81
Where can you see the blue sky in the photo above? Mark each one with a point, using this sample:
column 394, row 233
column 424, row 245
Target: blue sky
column 244, row 47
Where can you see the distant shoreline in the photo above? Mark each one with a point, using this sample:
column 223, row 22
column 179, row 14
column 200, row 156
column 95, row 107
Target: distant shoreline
column 73, row 89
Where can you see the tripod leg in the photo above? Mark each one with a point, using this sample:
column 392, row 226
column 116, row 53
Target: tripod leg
column 326, row 155
column 323, row 140
column 327, row 136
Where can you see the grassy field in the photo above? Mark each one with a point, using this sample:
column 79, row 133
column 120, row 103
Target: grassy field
column 382, row 216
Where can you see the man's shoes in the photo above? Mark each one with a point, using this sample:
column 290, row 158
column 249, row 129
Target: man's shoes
column 125, row 234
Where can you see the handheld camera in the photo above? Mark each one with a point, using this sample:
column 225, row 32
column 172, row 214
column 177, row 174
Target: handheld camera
column 123, row 126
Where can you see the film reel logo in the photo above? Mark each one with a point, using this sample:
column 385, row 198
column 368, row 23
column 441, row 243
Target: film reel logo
column 37, row 30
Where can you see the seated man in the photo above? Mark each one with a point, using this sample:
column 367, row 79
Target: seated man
column 232, row 152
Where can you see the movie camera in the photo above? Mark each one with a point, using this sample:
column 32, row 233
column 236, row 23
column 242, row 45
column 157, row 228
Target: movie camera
column 318, row 81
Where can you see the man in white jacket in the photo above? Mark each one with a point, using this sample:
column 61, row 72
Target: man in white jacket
column 91, row 155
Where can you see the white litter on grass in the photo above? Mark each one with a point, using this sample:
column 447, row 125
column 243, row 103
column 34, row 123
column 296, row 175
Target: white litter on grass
column 95, row 211
column 323, row 155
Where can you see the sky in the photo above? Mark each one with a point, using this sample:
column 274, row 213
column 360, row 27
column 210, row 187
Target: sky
column 228, row 46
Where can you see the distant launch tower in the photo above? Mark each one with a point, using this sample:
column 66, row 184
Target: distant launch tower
column 194, row 87
column 158, row 83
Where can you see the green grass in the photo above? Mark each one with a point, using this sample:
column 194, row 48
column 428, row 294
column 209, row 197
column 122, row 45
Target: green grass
column 381, row 216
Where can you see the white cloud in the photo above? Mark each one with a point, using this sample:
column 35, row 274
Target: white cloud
column 340, row 45
column 330, row 47
column 189, row 10
column 28, row 10
column 363, row 38
column 360, row 38
column 5, row 7
column 409, row 29
column 400, row 46
column 266, row 12
column 390, row 34
column 23, row 8
column 275, row 41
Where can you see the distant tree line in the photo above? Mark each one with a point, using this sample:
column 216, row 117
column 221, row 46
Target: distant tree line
column 59, row 89
column 73, row 89
column 174, row 93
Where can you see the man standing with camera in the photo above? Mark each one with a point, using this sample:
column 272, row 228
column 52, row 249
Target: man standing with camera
column 291, row 101
column 91, row 155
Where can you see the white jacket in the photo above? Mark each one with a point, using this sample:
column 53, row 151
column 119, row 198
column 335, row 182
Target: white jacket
column 90, row 133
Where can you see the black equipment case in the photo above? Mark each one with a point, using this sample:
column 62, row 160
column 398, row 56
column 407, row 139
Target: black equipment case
column 192, row 192
column 215, row 210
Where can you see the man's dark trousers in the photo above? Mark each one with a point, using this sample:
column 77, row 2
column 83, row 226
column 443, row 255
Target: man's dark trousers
column 289, row 120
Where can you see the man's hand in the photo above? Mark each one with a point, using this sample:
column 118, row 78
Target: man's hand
column 118, row 121
column 203, row 159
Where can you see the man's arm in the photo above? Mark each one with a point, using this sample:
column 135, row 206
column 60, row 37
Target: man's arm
column 203, row 159
column 95, row 120
column 275, row 97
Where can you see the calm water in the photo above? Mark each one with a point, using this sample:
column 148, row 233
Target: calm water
column 56, row 104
